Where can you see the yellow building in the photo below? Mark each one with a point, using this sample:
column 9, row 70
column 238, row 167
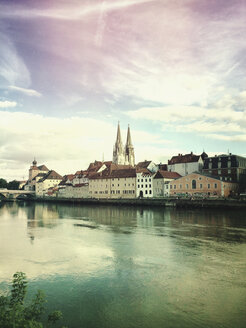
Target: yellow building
column 119, row 183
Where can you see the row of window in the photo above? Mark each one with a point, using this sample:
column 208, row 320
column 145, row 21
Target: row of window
column 146, row 179
column 114, row 192
column 146, row 186
column 219, row 165
column 148, row 192
column 194, row 186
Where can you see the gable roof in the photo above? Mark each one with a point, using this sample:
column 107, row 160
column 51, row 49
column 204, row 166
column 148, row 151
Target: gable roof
column 39, row 175
column 144, row 164
column 166, row 174
column 52, row 175
column 187, row 158
column 43, row 168
column 116, row 173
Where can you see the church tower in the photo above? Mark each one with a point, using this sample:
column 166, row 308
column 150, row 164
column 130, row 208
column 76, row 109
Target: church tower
column 118, row 152
column 33, row 171
column 129, row 150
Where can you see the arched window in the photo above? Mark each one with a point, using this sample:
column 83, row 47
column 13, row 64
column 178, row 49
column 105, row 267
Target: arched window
column 193, row 184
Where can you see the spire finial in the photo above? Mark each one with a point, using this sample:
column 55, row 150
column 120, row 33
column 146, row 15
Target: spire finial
column 128, row 139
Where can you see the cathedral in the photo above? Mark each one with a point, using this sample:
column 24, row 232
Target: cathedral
column 123, row 155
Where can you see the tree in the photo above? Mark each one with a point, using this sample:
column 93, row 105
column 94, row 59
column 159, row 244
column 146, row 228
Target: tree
column 3, row 183
column 13, row 185
column 15, row 314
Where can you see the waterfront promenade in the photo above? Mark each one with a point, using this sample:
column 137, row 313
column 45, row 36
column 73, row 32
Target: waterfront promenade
column 163, row 202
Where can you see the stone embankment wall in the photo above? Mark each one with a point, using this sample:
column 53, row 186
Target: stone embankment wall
column 164, row 202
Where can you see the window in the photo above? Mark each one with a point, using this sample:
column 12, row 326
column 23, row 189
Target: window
column 171, row 186
column 146, row 180
column 208, row 185
column 138, row 180
column 146, row 191
column 229, row 171
column 150, row 192
column 219, row 171
column 149, row 185
column 174, row 186
column 200, row 185
column 187, row 186
column 149, row 179
column 193, row 184
column 180, row 186
column 215, row 185
column 146, row 186
column 141, row 180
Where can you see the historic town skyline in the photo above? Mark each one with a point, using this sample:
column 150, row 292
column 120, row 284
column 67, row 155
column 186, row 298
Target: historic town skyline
column 173, row 70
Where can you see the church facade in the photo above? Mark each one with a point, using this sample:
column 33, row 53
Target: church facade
column 123, row 155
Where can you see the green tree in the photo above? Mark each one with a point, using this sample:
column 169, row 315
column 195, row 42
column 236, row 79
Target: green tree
column 13, row 185
column 3, row 183
column 15, row 314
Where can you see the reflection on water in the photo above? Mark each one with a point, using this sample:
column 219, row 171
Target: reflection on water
column 128, row 266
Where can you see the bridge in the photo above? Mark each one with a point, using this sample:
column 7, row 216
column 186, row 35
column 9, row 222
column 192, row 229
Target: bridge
column 11, row 195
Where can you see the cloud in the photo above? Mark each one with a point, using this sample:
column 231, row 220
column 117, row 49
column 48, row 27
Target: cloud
column 63, row 144
column 12, row 68
column 70, row 12
column 7, row 104
column 28, row 92
column 221, row 121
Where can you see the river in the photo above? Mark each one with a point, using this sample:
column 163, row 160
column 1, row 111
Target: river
column 120, row 267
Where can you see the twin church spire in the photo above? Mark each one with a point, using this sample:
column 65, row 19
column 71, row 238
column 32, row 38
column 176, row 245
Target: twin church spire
column 123, row 155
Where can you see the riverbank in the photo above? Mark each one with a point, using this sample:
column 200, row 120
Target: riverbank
column 163, row 202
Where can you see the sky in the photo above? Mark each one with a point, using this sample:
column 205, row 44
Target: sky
column 175, row 71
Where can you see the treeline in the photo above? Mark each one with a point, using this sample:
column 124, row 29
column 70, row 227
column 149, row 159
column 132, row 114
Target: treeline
column 11, row 185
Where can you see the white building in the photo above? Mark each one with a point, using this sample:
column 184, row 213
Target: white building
column 35, row 174
column 144, row 184
column 186, row 164
column 51, row 179
column 161, row 182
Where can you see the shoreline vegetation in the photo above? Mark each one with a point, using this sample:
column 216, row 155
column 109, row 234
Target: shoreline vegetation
column 161, row 202
column 15, row 312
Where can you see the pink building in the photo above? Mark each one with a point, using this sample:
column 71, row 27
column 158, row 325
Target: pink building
column 204, row 185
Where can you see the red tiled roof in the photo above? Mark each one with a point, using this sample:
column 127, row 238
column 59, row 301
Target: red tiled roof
column 117, row 173
column 187, row 158
column 143, row 170
column 167, row 175
column 70, row 177
column 144, row 164
column 80, row 185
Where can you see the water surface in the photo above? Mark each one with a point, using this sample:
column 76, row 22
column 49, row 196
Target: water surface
column 127, row 266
